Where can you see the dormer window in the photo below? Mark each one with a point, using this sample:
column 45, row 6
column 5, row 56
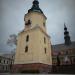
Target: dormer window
column 28, row 22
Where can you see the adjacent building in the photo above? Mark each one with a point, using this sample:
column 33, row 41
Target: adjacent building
column 6, row 61
column 66, row 50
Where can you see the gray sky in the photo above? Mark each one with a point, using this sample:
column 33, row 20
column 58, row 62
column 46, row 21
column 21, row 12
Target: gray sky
column 57, row 12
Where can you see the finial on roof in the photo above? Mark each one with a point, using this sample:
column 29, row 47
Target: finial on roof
column 65, row 28
column 35, row 2
column 64, row 25
column 35, row 7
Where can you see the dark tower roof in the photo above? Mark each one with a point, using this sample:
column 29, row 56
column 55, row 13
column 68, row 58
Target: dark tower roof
column 66, row 36
column 35, row 7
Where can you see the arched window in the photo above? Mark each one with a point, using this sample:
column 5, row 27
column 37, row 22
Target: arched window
column 27, row 38
column 45, row 50
column 26, row 49
column 44, row 40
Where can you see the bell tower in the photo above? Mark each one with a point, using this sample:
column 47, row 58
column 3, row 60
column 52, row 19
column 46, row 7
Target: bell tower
column 66, row 36
column 33, row 51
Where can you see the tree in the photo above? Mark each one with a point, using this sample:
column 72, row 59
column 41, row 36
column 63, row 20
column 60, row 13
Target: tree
column 12, row 40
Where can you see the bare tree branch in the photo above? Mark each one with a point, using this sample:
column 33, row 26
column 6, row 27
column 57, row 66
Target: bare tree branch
column 12, row 40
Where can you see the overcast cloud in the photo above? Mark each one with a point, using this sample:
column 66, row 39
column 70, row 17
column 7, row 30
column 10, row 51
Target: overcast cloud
column 57, row 12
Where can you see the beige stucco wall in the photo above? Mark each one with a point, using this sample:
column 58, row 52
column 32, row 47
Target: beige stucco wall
column 36, row 45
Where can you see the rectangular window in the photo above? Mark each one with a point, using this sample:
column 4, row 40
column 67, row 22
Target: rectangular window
column 11, row 62
column 7, row 62
column 44, row 24
column 0, row 60
column 4, row 61
column 3, row 67
column 26, row 49
column 6, row 67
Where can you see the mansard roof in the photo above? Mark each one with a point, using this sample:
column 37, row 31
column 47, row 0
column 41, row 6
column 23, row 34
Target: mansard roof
column 64, row 47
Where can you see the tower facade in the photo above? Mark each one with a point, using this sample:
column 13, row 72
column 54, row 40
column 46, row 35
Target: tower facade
column 33, row 53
